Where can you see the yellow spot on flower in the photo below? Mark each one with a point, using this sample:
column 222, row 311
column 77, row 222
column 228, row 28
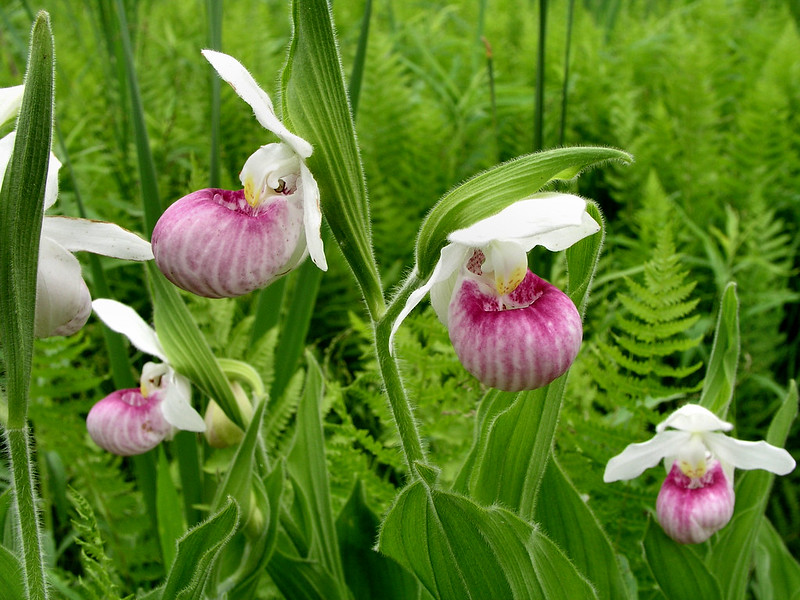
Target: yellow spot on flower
column 508, row 282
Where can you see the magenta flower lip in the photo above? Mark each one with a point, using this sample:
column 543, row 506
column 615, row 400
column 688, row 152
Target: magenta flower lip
column 126, row 423
column 691, row 510
column 515, row 349
column 214, row 244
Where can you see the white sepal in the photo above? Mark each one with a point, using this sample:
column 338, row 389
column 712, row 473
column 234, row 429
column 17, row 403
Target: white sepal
column 123, row 319
column 232, row 71
column 312, row 216
column 637, row 458
column 98, row 237
column 694, row 418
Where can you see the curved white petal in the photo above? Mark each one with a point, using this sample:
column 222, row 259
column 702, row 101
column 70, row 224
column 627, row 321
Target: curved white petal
column 63, row 303
column 176, row 405
column 695, row 418
column 10, row 101
column 450, row 259
column 232, row 71
column 749, row 455
column 312, row 217
column 555, row 221
column 636, row 458
column 51, row 184
column 6, row 148
column 98, row 237
column 123, row 319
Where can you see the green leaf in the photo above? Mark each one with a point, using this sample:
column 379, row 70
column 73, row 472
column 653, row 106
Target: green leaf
column 678, row 568
column 731, row 557
column 777, row 571
column 260, row 549
column 309, row 471
column 301, row 579
column 720, row 377
column 570, row 523
column 316, row 107
column 515, row 436
column 369, row 574
column 197, row 553
column 170, row 517
column 491, row 191
column 459, row 550
column 21, row 212
column 11, row 574
column 186, row 348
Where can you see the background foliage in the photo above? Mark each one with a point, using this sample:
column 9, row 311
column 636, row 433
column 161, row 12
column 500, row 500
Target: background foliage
column 705, row 94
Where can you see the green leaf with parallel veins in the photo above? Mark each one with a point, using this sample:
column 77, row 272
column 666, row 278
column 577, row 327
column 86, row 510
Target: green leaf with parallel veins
column 491, row 191
column 720, row 377
column 11, row 574
column 570, row 523
column 316, row 107
column 777, row 571
column 369, row 574
column 458, row 550
column 678, row 568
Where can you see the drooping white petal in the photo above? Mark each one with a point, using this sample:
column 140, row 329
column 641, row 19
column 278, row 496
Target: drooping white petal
column 176, row 405
column 232, row 71
column 312, row 217
column 63, row 303
column 123, row 319
column 636, row 458
column 555, row 221
column 51, row 183
column 450, row 259
column 10, row 101
column 98, row 237
column 749, row 455
column 695, row 418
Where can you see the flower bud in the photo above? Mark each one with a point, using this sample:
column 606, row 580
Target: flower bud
column 126, row 422
column 221, row 432
column 692, row 509
column 519, row 341
column 215, row 243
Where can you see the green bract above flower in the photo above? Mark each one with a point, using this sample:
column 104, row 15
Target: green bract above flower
column 63, row 302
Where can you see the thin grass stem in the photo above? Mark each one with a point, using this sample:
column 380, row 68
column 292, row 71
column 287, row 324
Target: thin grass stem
column 538, row 109
column 565, row 87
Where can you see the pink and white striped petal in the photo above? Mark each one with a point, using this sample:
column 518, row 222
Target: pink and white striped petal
column 126, row 423
column 691, row 510
column 514, row 349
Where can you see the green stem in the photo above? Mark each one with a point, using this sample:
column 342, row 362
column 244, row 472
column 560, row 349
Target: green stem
column 564, row 88
column 18, row 441
column 538, row 124
column 214, row 11
column 398, row 400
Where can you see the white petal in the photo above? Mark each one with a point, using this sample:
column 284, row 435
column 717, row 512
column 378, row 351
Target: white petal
column 176, row 404
column 51, row 183
column 232, row 71
column 63, row 303
column 749, row 455
column 263, row 171
column 450, row 259
column 555, row 221
column 98, row 237
column 694, row 418
column 123, row 319
column 508, row 261
column 312, row 217
column 10, row 101
column 636, row 458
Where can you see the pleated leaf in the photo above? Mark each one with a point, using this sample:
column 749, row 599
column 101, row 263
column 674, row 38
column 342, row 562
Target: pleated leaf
column 460, row 550
column 720, row 377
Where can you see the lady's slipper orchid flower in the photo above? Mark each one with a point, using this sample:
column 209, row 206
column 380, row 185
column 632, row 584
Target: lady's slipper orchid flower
column 63, row 302
column 696, row 499
column 221, row 243
column 136, row 420
column 510, row 328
